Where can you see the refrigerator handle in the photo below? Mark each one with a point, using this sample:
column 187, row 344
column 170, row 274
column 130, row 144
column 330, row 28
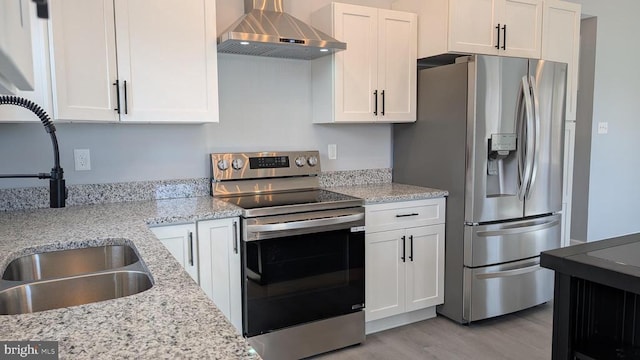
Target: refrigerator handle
column 536, row 135
column 507, row 273
column 524, row 228
column 520, row 128
column 525, row 151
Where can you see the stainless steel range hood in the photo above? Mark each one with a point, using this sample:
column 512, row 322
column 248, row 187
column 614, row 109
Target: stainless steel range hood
column 266, row 30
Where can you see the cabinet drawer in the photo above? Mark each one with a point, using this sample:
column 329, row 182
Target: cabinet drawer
column 520, row 285
column 400, row 215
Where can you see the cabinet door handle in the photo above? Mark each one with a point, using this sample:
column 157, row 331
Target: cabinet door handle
column 235, row 237
column 126, row 102
column 375, row 97
column 403, row 249
column 383, row 103
column 190, row 248
column 411, row 247
column 406, row 215
column 117, row 85
column 504, row 37
column 498, row 42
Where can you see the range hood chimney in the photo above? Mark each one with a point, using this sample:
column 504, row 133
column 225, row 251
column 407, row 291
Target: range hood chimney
column 266, row 30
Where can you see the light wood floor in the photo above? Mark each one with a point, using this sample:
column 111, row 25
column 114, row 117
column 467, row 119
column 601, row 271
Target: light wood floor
column 525, row 335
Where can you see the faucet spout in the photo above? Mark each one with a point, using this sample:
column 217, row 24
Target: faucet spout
column 57, row 188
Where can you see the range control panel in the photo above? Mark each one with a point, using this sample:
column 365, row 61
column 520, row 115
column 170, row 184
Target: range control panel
column 261, row 165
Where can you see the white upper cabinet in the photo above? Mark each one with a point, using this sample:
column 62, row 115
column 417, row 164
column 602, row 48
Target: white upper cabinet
column 83, row 60
column 16, row 65
column 374, row 80
column 492, row 27
column 520, row 27
column 561, row 42
column 134, row 61
column 41, row 93
column 472, row 27
column 397, row 75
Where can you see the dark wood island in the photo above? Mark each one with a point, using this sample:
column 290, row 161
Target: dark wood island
column 596, row 308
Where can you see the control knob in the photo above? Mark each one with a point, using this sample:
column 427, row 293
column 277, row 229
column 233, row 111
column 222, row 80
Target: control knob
column 237, row 164
column 300, row 161
column 223, row 164
column 312, row 161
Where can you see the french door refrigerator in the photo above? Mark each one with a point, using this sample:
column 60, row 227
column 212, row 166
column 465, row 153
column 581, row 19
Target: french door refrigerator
column 490, row 130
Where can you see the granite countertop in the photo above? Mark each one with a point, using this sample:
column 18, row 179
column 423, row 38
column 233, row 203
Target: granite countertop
column 389, row 192
column 173, row 319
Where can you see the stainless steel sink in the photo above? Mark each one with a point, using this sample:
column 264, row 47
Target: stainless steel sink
column 58, row 279
column 76, row 290
column 56, row 264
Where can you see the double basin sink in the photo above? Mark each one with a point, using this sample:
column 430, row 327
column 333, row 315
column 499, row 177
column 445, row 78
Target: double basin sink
column 58, row 279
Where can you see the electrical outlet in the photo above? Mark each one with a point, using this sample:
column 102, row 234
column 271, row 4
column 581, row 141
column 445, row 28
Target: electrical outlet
column 603, row 127
column 332, row 151
column 82, row 158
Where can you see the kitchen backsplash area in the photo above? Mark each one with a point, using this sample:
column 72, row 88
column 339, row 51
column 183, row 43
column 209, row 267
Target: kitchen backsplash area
column 355, row 177
column 87, row 194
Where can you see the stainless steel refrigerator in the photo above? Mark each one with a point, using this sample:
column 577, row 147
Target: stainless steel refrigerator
column 490, row 130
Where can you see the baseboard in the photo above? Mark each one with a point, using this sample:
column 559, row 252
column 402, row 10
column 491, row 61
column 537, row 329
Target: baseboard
column 399, row 320
column 575, row 242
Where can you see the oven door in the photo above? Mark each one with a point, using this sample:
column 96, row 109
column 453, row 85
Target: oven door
column 301, row 268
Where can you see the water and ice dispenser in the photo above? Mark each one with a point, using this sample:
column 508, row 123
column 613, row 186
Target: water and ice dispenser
column 502, row 165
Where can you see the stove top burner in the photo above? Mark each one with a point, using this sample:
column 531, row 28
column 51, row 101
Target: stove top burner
column 291, row 202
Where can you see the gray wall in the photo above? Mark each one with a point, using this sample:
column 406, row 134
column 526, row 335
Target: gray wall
column 264, row 104
column 614, row 166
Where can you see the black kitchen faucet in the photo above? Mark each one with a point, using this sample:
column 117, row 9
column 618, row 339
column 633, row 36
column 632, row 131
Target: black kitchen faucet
column 57, row 189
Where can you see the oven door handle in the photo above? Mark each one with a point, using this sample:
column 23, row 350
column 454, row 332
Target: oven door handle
column 294, row 225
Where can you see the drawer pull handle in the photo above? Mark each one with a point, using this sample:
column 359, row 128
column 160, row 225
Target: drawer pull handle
column 406, row 215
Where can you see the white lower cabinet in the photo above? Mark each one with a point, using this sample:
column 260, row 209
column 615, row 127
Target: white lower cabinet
column 210, row 252
column 219, row 258
column 181, row 242
column 404, row 262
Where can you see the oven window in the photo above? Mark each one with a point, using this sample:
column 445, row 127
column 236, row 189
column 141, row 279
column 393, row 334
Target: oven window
column 297, row 279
